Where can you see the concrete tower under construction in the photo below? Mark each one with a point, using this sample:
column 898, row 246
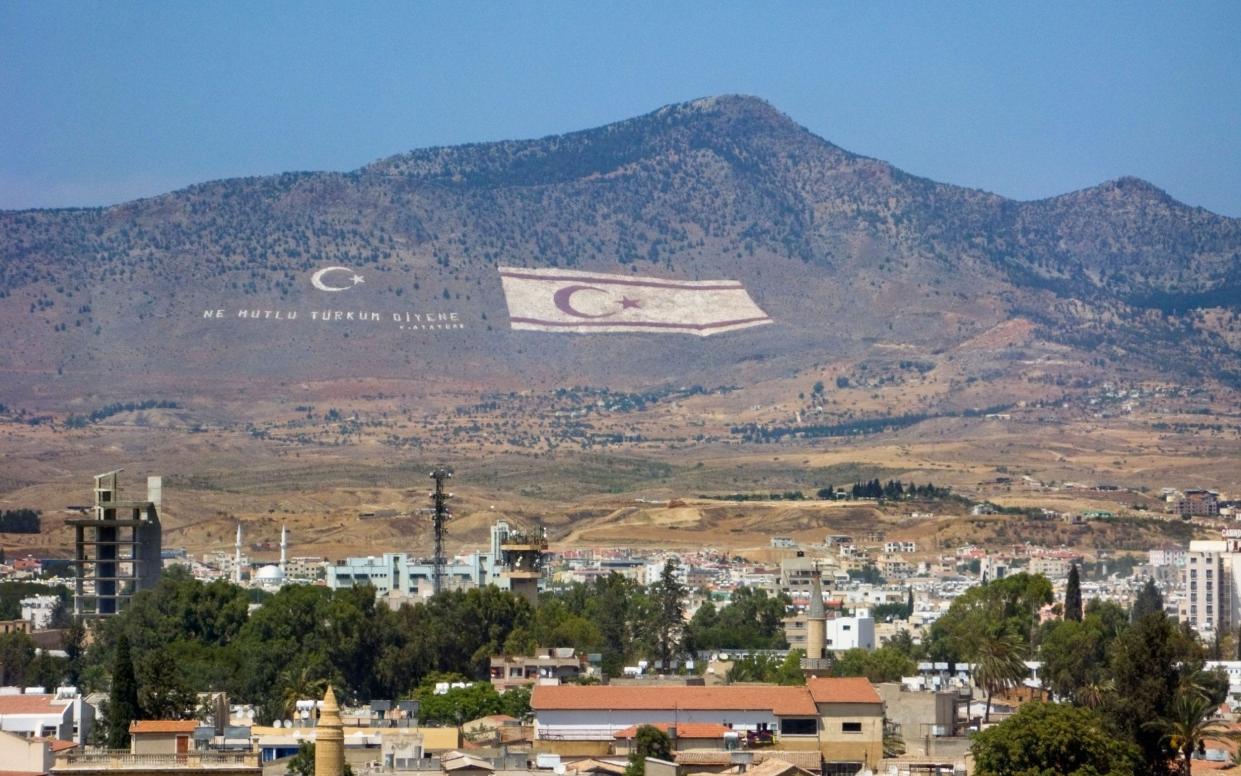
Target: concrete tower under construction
column 522, row 557
column 117, row 549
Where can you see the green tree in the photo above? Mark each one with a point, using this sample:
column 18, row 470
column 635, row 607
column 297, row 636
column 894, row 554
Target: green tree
column 765, row 668
column 1188, row 723
column 1145, row 667
column 1148, row 601
column 1008, row 605
column 17, row 652
column 75, row 651
column 515, row 702
column 123, row 705
column 902, row 642
column 886, row 664
column 163, row 691
column 1048, row 739
column 999, row 665
column 47, row 671
column 298, row 684
column 668, row 617
column 1075, row 654
column 611, row 608
column 459, row 704
column 1073, row 596
column 648, row 741
column 751, row 620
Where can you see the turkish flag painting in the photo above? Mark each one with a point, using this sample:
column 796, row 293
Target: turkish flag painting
column 591, row 302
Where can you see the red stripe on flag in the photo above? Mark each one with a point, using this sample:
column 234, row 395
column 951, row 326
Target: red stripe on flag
column 652, row 324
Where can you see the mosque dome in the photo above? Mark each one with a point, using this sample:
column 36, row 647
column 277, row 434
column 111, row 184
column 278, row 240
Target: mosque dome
column 270, row 574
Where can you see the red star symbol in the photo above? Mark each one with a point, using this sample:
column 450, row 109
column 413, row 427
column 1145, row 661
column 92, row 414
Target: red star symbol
column 627, row 303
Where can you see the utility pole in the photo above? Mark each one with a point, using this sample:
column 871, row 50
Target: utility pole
column 440, row 499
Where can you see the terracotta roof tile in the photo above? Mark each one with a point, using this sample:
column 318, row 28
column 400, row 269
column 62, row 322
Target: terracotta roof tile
column 163, row 726
column 850, row 689
column 29, row 704
column 781, row 701
column 60, row 746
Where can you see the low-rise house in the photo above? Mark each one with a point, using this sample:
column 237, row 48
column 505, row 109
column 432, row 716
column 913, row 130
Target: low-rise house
column 557, row 664
column 63, row 715
column 21, row 754
column 841, row 719
column 161, row 736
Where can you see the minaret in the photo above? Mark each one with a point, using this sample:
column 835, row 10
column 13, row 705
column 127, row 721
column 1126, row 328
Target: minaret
column 816, row 618
column 329, row 738
column 284, row 550
column 237, row 557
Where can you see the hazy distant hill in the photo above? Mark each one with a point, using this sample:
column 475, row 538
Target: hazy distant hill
column 846, row 253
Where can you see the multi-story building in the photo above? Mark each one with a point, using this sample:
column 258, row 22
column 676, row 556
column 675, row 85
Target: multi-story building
column 1198, row 503
column 304, row 568
column 117, row 549
column 1207, row 582
column 396, row 574
column 895, row 567
column 1168, row 555
column 1050, row 567
column 553, row 665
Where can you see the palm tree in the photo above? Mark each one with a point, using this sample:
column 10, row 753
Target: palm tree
column 1093, row 694
column 999, row 665
column 300, row 685
column 1190, row 722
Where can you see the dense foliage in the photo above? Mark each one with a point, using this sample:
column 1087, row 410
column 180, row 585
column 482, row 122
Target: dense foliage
column 768, row 668
column 19, row 521
column 186, row 636
column 1047, row 739
column 751, row 620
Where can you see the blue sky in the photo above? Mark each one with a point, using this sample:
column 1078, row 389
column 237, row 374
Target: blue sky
column 104, row 102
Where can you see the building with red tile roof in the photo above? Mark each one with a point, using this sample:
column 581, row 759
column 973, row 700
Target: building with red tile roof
column 841, row 718
column 161, row 736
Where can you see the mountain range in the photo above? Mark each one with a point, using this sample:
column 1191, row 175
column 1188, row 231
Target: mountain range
column 855, row 260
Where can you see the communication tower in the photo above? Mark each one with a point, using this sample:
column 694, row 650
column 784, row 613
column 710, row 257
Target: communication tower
column 441, row 516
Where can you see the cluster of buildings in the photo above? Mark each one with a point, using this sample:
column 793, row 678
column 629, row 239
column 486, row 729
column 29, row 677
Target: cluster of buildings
column 843, row 590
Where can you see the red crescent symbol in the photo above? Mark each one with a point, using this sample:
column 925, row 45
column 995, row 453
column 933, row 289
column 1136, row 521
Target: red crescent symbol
column 564, row 301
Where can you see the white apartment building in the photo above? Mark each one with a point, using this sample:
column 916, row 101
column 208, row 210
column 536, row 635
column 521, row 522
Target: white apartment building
column 856, row 632
column 1211, row 585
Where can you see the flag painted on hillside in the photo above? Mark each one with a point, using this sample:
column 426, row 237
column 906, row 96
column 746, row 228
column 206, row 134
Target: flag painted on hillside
column 592, row 302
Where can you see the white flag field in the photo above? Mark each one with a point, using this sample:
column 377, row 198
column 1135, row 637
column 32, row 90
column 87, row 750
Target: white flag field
column 591, row 302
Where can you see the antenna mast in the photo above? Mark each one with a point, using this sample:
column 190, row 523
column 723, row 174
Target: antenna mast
column 440, row 499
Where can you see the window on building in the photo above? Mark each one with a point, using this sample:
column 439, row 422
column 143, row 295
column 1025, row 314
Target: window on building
column 799, row 726
column 851, row 727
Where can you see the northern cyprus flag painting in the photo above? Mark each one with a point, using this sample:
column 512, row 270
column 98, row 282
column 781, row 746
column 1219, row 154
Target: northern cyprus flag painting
column 591, row 302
